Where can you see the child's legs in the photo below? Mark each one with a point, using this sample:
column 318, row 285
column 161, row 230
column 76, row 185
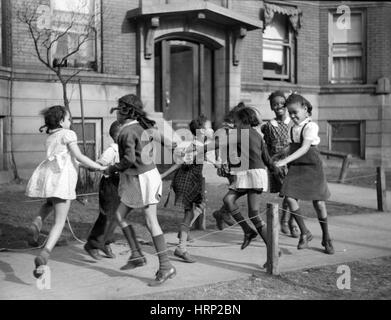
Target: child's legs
column 152, row 221
column 158, row 237
column 321, row 211
column 295, row 210
column 109, row 232
column 185, row 228
column 320, row 208
column 61, row 209
column 286, row 215
column 230, row 203
column 254, row 202
column 43, row 213
column 120, row 213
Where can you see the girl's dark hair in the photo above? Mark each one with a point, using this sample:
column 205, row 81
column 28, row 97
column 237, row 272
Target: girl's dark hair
column 114, row 128
column 53, row 116
column 248, row 117
column 297, row 98
column 275, row 94
column 132, row 107
column 229, row 117
column 197, row 124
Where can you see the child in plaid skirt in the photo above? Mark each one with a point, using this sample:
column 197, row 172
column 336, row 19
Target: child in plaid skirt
column 276, row 136
column 188, row 185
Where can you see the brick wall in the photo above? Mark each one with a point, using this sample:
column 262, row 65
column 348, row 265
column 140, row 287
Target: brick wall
column 308, row 50
column 251, row 61
column 119, row 38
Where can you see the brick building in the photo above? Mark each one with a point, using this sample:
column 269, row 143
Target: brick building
column 185, row 57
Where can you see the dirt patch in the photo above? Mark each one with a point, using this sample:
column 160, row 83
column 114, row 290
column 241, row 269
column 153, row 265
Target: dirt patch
column 370, row 279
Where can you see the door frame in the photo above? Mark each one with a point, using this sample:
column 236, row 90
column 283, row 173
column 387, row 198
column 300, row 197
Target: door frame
column 199, row 44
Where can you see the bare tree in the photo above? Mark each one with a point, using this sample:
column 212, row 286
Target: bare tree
column 48, row 30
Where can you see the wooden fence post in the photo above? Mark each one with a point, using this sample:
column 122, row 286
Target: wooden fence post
column 344, row 170
column 381, row 189
column 272, row 239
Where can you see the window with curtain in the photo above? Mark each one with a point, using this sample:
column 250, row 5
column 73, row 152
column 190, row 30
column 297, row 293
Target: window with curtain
column 347, row 48
column 75, row 25
column 279, row 49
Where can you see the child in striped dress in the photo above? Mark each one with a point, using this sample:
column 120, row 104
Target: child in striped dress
column 276, row 136
column 305, row 179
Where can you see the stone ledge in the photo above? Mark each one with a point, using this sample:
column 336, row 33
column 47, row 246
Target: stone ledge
column 268, row 86
column 87, row 77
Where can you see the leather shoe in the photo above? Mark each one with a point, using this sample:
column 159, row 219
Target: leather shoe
column 304, row 240
column 184, row 255
column 93, row 252
column 134, row 262
column 248, row 237
column 162, row 276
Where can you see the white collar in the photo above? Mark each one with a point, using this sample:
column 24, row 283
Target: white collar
column 274, row 122
column 304, row 122
column 129, row 124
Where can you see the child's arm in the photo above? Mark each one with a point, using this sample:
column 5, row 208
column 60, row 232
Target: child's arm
column 76, row 153
column 296, row 155
column 172, row 169
column 129, row 155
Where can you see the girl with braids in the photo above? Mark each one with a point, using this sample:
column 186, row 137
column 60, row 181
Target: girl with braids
column 55, row 178
column 140, row 184
column 305, row 179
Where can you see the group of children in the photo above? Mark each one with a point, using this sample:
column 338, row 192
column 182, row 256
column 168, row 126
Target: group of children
column 280, row 156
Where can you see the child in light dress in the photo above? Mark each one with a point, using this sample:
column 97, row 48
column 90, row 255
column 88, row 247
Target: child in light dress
column 56, row 177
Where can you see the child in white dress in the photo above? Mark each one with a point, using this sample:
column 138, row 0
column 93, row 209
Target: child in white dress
column 56, row 177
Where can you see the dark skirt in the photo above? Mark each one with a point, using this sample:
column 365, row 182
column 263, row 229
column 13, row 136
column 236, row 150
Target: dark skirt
column 306, row 179
column 108, row 195
column 188, row 186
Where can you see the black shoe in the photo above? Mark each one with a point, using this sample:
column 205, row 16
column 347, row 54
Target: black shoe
column 304, row 240
column 162, row 276
column 106, row 249
column 219, row 219
column 328, row 245
column 135, row 262
column 248, row 237
column 93, row 252
column 184, row 255
column 295, row 232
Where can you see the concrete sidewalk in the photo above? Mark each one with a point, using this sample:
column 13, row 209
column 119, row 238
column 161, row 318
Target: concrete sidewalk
column 74, row 275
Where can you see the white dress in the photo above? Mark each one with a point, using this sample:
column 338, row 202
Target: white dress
column 56, row 176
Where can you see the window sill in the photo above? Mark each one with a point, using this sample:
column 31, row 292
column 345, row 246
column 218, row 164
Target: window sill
column 347, row 88
column 87, row 77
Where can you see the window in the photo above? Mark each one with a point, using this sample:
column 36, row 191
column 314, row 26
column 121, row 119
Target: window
column 78, row 18
column 347, row 49
column 347, row 137
column 93, row 133
column 279, row 49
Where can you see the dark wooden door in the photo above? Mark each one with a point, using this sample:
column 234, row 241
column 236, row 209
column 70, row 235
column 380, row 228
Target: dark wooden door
column 183, row 81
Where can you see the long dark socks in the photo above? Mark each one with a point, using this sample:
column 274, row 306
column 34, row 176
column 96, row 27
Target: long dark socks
column 161, row 250
column 130, row 236
column 300, row 221
column 242, row 222
column 261, row 228
column 325, row 228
